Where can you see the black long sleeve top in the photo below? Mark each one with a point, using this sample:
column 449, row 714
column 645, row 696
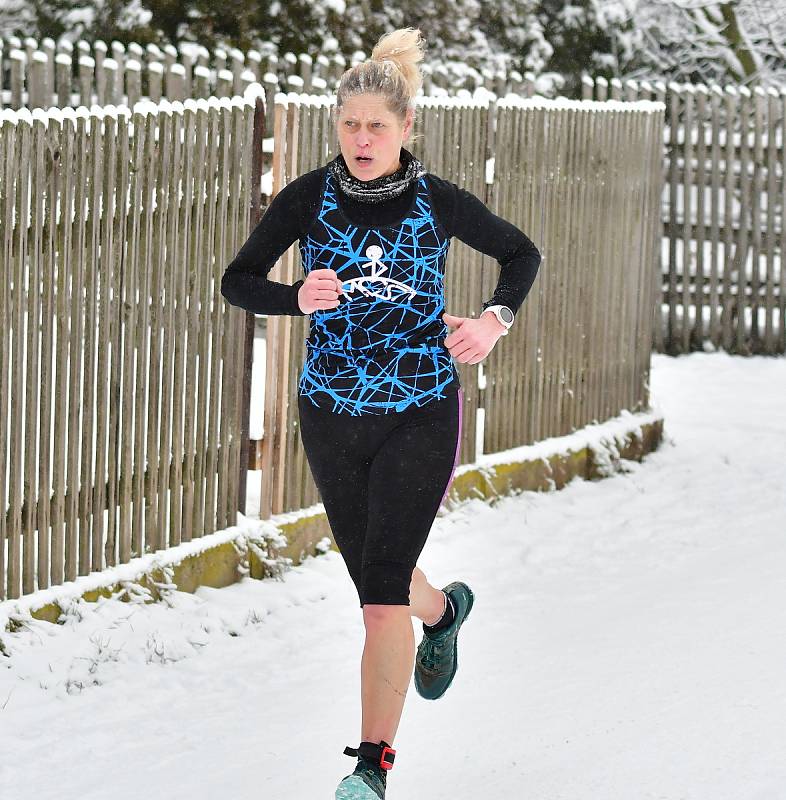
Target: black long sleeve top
column 296, row 206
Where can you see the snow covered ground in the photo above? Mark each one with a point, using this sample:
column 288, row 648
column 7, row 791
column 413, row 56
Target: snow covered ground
column 627, row 642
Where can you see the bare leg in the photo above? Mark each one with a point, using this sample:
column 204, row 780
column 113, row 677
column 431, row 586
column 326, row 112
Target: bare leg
column 389, row 656
column 385, row 670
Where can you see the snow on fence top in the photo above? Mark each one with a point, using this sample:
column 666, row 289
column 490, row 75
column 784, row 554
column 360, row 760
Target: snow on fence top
column 485, row 100
column 516, row 101
column 144, row 107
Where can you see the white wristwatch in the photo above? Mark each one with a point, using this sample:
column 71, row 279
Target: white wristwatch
column 503, row 314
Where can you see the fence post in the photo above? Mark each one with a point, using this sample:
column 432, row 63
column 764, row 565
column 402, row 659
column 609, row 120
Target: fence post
column 248, row 339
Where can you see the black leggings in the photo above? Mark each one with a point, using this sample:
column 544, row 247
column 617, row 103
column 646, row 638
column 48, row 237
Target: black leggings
column 382, row 479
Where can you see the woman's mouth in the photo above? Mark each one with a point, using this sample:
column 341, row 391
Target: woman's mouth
column 363, row 160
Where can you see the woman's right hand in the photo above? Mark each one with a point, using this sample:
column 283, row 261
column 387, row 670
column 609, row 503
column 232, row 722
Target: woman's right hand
column 320, row 290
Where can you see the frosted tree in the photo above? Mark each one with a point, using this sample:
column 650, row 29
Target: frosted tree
column 76, row 19
column 37, row 18
column 594, row 36
column 740, row 41
column 515, row 34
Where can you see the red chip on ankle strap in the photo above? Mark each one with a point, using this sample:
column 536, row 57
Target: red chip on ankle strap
column 382, row 760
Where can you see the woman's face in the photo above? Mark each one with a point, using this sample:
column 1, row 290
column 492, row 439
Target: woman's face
column 367, row 128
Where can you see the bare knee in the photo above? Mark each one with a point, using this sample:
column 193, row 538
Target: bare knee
column 376, row 616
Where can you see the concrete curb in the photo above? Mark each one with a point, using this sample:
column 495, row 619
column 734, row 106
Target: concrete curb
column 263, row 548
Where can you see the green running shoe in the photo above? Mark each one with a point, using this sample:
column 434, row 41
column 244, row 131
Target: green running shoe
column 369, row 780
column 436, row 661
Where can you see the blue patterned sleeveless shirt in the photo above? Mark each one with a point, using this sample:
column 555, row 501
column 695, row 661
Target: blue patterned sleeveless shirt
column 382, row 349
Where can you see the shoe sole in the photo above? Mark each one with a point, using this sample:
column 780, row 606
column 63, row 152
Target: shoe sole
column 449, row 588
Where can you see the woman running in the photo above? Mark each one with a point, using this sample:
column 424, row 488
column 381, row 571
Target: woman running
column 379, row 396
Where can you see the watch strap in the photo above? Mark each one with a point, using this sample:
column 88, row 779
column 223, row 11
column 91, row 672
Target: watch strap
column 495, row 309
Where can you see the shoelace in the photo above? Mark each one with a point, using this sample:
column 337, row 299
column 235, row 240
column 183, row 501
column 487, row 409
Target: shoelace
column 433, row 650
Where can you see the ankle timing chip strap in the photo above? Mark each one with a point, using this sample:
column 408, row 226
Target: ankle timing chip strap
column 381, row 754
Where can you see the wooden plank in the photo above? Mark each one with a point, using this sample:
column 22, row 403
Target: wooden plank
column 769, row 344
column 562, row 339
column 533, row 303
column 272, row 367
column 539, row 168
column 180, row 240
column 657, row 242
column 128, row 436
column 553, row 224
column 36, row 563
column 141, row 491
column 77, row 541
column 781, row 339
column 67, row 177
column 87, row 346
column 671, row 342
column 154, row 506
column 7, row 194
column 171, row 449
column 714, row 330
column 205, row 432
column 635, row 261
column 685, row 268
column 728, row 302
column 226, row 314
column 631, row 230
column 608, row 270
column 579, row 231
column 106, row 272
column 757, row 186
column 217, row 435
column 741, row 344
column 701, row 179
column 193, row 444
column 120, row 254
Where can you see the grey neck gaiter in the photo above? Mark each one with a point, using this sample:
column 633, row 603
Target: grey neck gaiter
column 377, row 190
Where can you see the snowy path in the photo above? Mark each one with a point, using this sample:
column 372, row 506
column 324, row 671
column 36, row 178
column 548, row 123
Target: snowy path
column 627, row 642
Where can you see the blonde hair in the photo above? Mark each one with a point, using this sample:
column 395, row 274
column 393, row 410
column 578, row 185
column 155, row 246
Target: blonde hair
column 392, row 71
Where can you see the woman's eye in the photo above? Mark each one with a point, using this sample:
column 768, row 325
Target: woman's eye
column 349, row 123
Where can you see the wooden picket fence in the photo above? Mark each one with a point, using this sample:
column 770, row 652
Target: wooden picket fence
column 583, row 180
column 724, row 215
column 121, row 378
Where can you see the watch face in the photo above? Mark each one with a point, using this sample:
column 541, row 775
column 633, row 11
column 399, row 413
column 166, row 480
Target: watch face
column 506, row 314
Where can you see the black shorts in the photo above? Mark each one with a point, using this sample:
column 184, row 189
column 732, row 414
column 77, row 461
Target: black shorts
column 382, row 479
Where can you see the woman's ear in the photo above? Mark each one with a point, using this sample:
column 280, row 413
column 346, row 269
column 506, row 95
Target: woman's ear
column 408, row 122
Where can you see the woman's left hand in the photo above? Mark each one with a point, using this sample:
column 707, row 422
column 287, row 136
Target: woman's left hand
column 473, row 338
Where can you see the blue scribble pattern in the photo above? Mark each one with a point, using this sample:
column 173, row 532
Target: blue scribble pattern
column 382, row 349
